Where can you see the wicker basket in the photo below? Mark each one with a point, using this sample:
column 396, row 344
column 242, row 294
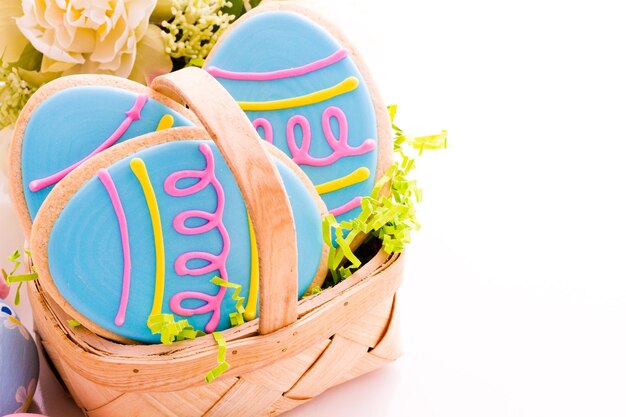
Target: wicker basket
column 293, row 352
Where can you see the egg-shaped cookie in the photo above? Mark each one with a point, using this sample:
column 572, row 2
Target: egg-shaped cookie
column 145, row 228
column 307, row 91
column 72, row 119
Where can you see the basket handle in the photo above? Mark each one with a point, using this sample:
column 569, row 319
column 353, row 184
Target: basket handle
column 260, row 184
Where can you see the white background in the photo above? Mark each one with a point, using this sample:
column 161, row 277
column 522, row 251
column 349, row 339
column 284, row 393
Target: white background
column 514, row 301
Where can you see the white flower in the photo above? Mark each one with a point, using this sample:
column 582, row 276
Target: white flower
column 12, row 42
column 24, row 396
column 13, row 323
column 86, row 36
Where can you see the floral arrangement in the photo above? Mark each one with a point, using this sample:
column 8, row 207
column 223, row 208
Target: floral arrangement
column 135, row 39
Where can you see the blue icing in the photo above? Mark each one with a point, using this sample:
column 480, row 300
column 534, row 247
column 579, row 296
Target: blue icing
column 19, row 362
column 277, row 40
column 70, row 124
column 85, row 253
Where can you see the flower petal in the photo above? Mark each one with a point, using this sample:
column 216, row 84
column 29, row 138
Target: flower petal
column 51, row 65
column 36, row 78
column 151, row 60
column 12, row 42
column 162, row 11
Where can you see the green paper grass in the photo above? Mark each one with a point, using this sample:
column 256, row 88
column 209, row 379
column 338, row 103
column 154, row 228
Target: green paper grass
column 222, row 365
column 172, row 330
column 12, row 277
column 236, row 318
column 389, row 213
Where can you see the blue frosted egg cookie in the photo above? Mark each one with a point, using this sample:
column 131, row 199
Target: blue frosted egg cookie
column 72, row 119
column 307, row 92
column 158, row 226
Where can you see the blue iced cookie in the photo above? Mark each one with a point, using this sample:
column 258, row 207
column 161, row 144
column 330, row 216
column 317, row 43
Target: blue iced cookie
column 306, row 91
column 73, row 119
column 19, row 363
column 146, row 228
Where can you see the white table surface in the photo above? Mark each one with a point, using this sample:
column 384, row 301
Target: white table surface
column 514, row 300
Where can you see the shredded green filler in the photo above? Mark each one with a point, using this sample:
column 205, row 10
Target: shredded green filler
column 222, row 365
column 170, row 329
column 388, row 213
column 236, row 317
column 11, row 277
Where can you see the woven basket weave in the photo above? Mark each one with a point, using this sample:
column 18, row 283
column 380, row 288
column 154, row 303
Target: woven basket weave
column 293, row 352
column 341, row 333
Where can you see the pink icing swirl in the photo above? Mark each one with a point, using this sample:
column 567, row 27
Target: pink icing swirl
column 183, row 229
column 266, row 125
column 204, row 177
column 301, row 154
column 214, row 220
column 208, row 306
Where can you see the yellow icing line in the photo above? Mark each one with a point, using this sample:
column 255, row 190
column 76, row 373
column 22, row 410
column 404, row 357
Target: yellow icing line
column 253, row 291
column 355, row 177
column 345, row 86
column 139, row 169
column 166, row 122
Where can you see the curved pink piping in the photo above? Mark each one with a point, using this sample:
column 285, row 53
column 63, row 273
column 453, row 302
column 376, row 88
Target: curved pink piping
column 279, row 74
column 352, row 204
column 108, row 183
column 131, row 115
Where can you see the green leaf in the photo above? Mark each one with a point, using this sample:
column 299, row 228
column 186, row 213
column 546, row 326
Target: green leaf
column 236, row 9
column 30, row 60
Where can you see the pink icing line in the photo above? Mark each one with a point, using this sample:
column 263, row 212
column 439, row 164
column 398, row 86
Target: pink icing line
column 268, row 131
column 279, row 74
column 108, row 183
column 340, row 147
column 180, row 227
column 214, row 220
column 178, row 298
column 352, row 204
column 131, row 115
column 215, row 263
column 204, row 176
